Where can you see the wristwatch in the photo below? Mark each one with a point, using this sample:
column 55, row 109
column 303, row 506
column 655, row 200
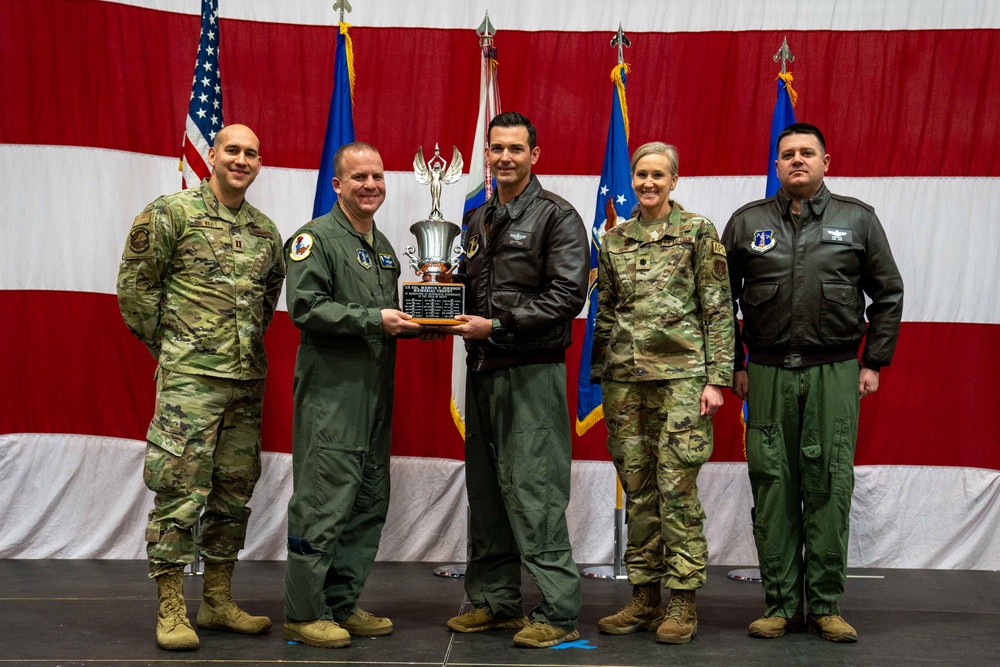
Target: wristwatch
column 497, row 325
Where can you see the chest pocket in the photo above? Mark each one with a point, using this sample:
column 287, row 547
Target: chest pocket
column 670, row 266
column 206, row 247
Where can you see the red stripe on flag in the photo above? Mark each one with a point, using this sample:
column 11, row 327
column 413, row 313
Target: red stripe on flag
column 194, row 159
column 95, row 378
column 893, row 103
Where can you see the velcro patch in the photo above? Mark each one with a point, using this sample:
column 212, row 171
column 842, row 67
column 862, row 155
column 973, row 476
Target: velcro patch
column 263, row 233
column 138, row 240
column 517, row 239
column 718, row 248
column 142, row 219
column 837, row 235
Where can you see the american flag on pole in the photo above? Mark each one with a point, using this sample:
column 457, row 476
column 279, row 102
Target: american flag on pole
column 204, row 116
column 480, row 190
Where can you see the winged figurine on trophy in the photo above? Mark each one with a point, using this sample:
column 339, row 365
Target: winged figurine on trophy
column 437, row 299
column 437, row 173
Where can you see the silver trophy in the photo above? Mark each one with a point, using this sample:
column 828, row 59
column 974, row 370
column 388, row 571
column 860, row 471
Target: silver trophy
column 435, row 300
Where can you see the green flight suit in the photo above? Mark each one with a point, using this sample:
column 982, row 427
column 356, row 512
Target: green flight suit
column 338, row 285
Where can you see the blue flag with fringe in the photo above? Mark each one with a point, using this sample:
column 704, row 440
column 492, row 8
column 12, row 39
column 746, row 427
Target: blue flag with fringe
column 339, row 122
column 784, row 115
column 615, row 201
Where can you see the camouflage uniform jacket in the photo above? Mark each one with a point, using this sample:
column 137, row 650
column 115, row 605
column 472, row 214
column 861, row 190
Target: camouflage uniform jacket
column 664, row 310
column 200, row 290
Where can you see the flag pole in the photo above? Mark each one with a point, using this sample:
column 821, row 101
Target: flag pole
column 480, row 190
column 784, row 115
column 617, row 570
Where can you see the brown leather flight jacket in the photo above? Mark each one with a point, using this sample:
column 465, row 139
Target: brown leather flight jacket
column 802, row 287
column 530, row 271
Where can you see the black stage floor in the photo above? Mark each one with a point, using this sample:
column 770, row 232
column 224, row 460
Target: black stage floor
column 88, row 613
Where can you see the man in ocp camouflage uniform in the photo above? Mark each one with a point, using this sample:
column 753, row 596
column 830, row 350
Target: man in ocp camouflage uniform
column 198, row 284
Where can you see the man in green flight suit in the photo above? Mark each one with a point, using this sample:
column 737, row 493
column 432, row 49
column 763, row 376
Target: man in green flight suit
column 342, row 294
column 198, row 284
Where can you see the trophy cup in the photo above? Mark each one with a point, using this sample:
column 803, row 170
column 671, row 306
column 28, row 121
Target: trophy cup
column 436, row 300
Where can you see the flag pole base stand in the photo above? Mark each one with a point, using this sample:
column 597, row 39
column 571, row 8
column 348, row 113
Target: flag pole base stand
column 603, row 572
column 747, row 574
column 456, row 571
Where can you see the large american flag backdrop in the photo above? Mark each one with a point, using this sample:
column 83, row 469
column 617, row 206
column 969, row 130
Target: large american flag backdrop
column 96, row 97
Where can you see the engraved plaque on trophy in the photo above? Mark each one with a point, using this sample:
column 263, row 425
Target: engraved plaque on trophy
column 436, row 300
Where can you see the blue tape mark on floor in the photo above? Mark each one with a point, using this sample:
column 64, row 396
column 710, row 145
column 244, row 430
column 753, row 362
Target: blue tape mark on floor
column 579, row 643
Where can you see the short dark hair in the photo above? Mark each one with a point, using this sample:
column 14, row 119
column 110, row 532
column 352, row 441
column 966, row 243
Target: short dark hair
column 513, row 119
column 802, row 128
column 338, row 157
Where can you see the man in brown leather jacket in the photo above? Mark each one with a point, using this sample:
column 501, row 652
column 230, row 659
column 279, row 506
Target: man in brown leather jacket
column 526, row 266
column 800, row 265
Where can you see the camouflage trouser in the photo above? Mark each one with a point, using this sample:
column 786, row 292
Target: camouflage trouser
column 202, row 453
column 658, row 443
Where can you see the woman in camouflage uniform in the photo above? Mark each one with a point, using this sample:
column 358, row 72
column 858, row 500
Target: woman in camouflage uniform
column 662, row 352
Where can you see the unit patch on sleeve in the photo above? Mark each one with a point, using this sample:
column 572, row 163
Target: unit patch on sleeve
column 138, row 240
column 301, row 247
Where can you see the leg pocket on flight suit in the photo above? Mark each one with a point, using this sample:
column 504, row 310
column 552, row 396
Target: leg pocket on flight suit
column 842, row 457
column 764, row 451
column 815, row 475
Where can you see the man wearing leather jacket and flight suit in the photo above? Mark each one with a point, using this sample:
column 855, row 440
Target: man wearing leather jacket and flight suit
column 800, row 265
column 526, row 267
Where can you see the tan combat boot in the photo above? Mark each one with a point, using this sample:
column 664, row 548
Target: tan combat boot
column 642, row 612
column 542, row 635
column 680, row 624
column 771, row 627
column 218, row 611
column 832, row 628
column 321, row 633
column 366, row 624
column 173, row 630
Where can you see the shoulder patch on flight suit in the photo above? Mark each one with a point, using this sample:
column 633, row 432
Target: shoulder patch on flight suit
column 301, row 247
column 364, row 259
column 472, row 247
column 386, row 261
column 718, row 248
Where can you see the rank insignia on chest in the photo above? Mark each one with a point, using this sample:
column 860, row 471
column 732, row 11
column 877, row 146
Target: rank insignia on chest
column 763, row 240
column 301, row 247
column 473, row 246
column 386, row 261
column 364, row 259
